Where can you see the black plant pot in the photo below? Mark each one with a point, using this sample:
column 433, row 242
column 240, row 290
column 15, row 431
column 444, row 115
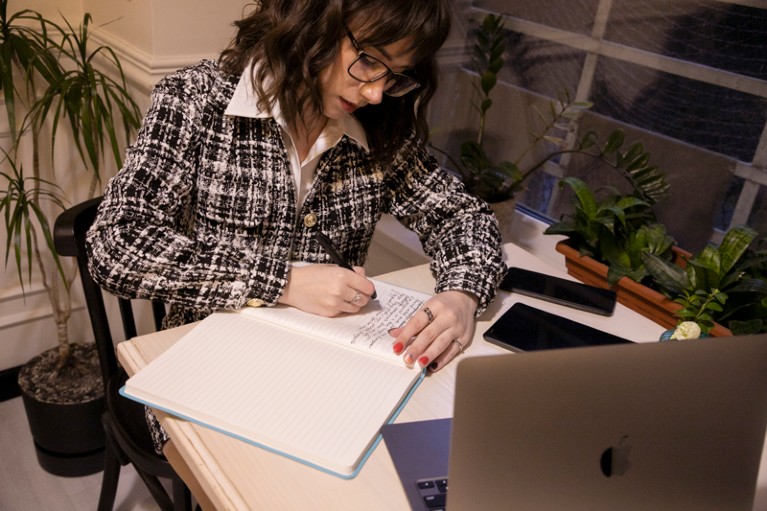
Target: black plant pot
column 64, row 400
column 69, row 438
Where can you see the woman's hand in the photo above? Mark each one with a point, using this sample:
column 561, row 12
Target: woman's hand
column 439, row 331
column 327, row 289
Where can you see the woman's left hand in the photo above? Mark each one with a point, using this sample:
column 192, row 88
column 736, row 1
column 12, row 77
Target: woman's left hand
column 439, row 331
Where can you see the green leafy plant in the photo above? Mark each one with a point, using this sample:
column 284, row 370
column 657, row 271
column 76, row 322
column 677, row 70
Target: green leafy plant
column 24, row 44
column 20, row 206
column 614, row 228
column 89, row 98
column 49, row 76
column 712, row 278
column 496, row 181
column 700, row 307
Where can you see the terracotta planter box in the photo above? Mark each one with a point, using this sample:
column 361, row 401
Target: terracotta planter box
column 647, row 302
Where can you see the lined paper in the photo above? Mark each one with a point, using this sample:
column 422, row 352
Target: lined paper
column 367, row 330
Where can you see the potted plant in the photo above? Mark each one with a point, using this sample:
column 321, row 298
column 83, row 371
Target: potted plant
column 49, row 78
column 615, row 228
column 606, row 236
column 614, row 241
column 723, row 284
column 498, row 182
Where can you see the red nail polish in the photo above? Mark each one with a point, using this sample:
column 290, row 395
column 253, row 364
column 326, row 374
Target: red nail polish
column 398, row 347
column 424, row 361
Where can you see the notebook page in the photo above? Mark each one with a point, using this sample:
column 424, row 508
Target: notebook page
column 310, row 400
column 366, row 330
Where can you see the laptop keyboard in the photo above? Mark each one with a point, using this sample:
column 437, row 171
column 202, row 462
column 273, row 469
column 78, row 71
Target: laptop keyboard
column 433, row 492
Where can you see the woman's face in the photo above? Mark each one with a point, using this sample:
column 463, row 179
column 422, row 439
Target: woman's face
column 342, row 94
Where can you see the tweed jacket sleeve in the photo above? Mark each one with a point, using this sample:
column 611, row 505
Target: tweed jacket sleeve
column 458, row 230
column 152, row 239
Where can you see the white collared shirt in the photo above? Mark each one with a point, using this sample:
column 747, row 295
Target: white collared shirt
column 244, row 103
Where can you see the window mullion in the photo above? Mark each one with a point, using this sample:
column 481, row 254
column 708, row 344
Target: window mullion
column 583, row 93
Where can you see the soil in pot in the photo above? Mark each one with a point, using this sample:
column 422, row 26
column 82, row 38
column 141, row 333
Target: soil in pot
column 64, row 403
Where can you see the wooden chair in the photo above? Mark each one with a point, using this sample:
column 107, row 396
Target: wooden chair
column 127, row 434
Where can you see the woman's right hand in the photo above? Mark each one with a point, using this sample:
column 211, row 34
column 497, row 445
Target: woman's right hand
column 327, row 289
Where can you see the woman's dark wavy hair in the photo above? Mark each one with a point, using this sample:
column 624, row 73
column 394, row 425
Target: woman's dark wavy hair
column 295, row 39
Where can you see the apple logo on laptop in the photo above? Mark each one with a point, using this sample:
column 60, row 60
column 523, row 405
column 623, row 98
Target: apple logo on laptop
column 615, row 459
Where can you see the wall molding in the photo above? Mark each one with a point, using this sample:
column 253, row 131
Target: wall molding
column 141, row 69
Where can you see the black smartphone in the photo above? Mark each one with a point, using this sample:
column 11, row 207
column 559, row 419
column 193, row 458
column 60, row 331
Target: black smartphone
column 525, row 328
column 558, row 290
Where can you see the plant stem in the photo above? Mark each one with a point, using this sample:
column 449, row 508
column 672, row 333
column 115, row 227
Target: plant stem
column 481, row 130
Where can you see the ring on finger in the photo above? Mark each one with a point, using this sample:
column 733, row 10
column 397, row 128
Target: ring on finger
column 460, row 345
column 356, row 298
column 429, row 314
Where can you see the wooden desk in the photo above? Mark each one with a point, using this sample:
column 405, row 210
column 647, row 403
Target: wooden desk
column 237, row 476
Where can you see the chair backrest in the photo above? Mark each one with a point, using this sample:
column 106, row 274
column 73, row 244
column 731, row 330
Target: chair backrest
column 69, row 239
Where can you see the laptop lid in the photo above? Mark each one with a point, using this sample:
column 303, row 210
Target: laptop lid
column 672, row 425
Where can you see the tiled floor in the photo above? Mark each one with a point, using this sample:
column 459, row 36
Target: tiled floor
column 24, row 486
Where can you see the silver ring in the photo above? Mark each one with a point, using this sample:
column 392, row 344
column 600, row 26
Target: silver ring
column 356, row 298
column 429, row 314
column 459, row 345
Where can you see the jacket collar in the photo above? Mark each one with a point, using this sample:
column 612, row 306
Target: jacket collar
column 244, row 103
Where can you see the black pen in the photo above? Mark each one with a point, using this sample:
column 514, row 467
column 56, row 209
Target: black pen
column 333, row 253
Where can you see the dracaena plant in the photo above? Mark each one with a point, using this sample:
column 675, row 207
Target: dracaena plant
column 49, row 78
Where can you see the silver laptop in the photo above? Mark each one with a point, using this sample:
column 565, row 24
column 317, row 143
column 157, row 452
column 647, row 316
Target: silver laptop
column 655, row 426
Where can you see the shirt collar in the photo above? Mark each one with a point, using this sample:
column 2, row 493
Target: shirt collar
column 244, row 103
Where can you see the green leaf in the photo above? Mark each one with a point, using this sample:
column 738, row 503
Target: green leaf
column 563, row 227
column 750, row 327
column 714, row 307
column 665, row 273
column 749, row 285
column 589, row 139
column 473, row 156
column 485, row 105
column 734, row 245
column 488, row 81
column 582, row 192
column 614, row 142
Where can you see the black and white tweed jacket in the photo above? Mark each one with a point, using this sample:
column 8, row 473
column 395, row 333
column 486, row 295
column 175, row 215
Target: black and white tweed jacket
column 203, row 214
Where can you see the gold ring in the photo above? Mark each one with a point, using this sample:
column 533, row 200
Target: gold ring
column 429, row 314
column 460, row 346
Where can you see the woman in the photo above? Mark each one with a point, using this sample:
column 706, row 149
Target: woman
column 312, row 120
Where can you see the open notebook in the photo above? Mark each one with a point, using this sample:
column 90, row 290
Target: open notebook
column 313, row 389
column 660, row 426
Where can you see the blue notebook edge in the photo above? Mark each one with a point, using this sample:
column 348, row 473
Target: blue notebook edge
column 341, row 475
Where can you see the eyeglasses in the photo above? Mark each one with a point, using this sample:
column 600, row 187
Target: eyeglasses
column 368, row 69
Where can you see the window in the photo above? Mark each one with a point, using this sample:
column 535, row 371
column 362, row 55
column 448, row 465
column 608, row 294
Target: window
column 686, row 78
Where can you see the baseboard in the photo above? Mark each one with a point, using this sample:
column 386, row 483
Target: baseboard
column 9, row 383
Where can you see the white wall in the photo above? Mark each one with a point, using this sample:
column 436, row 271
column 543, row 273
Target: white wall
column 152, row 38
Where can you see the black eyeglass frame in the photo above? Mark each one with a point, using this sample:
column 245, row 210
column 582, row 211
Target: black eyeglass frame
column 411, row 82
